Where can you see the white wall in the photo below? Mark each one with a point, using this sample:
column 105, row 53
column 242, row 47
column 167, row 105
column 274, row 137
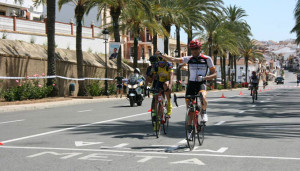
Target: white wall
column 64, row 42
column 240, row 71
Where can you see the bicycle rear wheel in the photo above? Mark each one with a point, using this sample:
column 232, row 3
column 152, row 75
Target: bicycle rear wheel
column 200, row 133
column 158, row 120
column 166, row 121
column 152, row 108
column 190, row 136
column 253, row 96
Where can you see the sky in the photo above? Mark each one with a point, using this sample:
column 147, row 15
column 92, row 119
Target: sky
column 268, row 19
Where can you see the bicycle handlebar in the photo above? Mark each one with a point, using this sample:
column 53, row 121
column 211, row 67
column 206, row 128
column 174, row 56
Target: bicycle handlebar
column 190, row 97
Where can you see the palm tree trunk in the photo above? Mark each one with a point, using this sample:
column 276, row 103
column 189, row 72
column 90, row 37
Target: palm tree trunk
column 210, row 45
column 178, row 75
column 135, row 55
column 154, row 42
column 190, row 38
column 51, row 70
column 82, row 89
column 215, row 62
column 115, row 14
column 222, row 73
column 224, row 70
column 166, row 39
column 246, row 69
column 235, row 69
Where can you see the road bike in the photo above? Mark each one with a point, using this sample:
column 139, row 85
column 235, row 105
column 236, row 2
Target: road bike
column 254, row 93
column 161, row 119
column 198, row 128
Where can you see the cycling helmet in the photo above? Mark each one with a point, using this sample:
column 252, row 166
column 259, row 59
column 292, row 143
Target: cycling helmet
column 137, row 70
column 153, row 59
column 253, row 72
column 195, row 44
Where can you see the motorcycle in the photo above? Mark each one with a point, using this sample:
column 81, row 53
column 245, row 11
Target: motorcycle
column 135, row 90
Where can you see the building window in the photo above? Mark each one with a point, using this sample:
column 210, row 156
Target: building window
column 131, row 51
column 149, row 38
column 241, row 67
column 150, row 52
column 2, row 13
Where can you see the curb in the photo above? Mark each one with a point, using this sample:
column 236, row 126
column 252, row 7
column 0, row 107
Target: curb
column 74, row 101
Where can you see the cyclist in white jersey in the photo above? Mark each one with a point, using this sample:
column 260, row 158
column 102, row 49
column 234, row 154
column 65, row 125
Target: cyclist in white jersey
column 199, row 65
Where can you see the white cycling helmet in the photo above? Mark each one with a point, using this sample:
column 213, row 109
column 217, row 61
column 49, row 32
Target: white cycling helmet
column 137, row 70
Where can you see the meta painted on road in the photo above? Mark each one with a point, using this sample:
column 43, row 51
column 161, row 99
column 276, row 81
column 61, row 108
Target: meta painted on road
column 106, row 157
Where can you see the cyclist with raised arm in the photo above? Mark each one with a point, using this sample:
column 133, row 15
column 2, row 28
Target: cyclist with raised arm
column 199, row 65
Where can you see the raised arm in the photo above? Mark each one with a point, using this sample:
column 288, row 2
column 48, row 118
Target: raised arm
column 169, row 58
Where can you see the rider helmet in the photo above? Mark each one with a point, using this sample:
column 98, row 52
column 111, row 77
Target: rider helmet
column 137, row 70
column 153, row 59
column 195, row 44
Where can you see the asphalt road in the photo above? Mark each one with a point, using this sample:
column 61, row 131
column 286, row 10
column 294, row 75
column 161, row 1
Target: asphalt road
column 113, row 136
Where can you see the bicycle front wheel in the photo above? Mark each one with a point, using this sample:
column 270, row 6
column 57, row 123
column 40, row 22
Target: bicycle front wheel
column 158, row 120
column 189, row 130
column 200, row 133
column 253, row 95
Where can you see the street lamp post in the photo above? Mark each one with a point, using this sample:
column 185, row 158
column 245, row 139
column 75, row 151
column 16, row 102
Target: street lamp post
column 106, row 34
column 178, row 71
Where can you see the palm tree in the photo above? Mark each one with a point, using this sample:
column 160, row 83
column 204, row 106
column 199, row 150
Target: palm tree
column 135, row 19
column 250, row 52
column 201, row 8
column 116, row 8
column 296, row 28
column 81, row 7
column 239, row 26
column 51, row 69
column 224, row 41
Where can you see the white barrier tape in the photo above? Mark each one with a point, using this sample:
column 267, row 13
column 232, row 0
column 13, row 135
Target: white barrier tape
column 56, row 76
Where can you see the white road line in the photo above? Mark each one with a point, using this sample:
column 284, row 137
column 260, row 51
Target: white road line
column 182, row 141
column 253, row 106
column 121, row 145
column 12, row 121
column 84, row 111
column 242, row 112
column 220, row 123
column 153, row 152
column 71, row 128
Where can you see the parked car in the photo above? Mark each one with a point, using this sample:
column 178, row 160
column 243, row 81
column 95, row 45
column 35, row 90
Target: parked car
column 279, row 80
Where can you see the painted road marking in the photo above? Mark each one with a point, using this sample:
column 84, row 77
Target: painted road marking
column 71, row 128
column 12, row 121
column 220, row 123
column 189, row 161
column 182, row 141
column 84, row 111
column 81, row 143
column 152, row 152
column 147, row 158
column 221, row 150
column 253, row 106
column 241, row 111
column 121, row 145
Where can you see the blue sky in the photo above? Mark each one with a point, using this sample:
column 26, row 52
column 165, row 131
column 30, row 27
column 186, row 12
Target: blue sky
column 269, row 19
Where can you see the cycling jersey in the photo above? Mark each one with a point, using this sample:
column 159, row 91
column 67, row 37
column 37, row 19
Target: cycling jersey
column 254, row 79
column 163, row 72
column 198, row 66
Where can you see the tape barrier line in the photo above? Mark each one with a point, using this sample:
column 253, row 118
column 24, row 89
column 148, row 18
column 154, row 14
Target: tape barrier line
column 53, row 76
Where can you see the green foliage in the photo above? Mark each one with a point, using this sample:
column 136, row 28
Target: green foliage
column 4, row 35
column 220, row 87
column 96, row 90
column 29, row 89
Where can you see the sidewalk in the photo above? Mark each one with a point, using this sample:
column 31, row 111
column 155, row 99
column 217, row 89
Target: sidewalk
column 71, row 101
